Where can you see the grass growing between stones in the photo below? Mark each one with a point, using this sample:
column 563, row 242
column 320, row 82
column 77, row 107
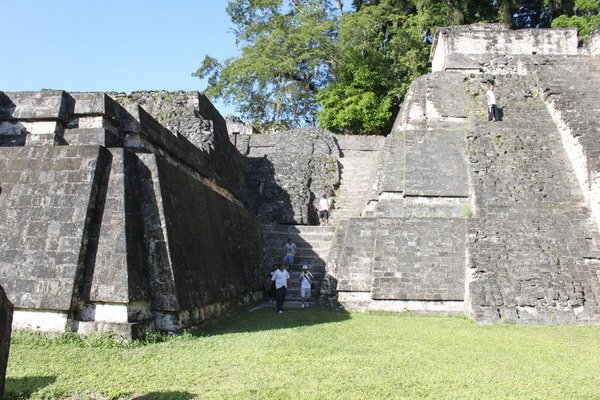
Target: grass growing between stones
column 316, row 353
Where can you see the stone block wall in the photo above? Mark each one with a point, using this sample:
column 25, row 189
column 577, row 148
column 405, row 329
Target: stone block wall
column 419, row 259
column 110, row 221
column 495, row 219
column 6, row 313
column 532, row 246
column 480, row 39
column 288, row 171
column 48, row 194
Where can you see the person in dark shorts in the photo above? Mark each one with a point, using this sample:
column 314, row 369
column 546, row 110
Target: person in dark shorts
column 324, row 208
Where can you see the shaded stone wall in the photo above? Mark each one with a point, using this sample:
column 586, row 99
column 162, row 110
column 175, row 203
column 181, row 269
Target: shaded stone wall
column 110, row 221
column 6, row 312
column 287, row 173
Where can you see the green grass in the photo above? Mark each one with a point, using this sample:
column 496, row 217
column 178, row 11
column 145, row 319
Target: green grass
column 316, row 353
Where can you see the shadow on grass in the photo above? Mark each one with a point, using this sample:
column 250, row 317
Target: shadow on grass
column 267, row 319
column 20, row 388
column 165, row 396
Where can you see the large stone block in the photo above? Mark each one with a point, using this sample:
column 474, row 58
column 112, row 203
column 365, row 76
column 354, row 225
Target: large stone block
column 436, row 164
column 6, row 313
column 48, row 196
column 419, row 259
column 41, row 105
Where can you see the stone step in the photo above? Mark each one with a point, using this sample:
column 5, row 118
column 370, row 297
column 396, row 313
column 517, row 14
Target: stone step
column 298, row 229
column 295, row 303
column 306, row 249
column 311, row 261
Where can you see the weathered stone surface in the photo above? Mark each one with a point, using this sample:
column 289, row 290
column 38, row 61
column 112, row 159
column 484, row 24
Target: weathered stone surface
column 496, row 39
column 392, row 165
column 426, row 173
column 235, row 126
column 117, row 228
column 6, row 312
column 48, row 195
column 214, row 245
column 117, row 275
column 287, row 173
column 419, row 259
column 531, row 241
column 356, row 255
column 43, row 105
column 403, row 259
column 188, row 126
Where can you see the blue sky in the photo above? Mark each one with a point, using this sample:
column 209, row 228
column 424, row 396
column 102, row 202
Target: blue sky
column 111, row 45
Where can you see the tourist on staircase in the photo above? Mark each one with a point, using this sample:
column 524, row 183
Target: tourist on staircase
column 290, row 253
column 306, row 281
column 324, row 208
column 280, row 277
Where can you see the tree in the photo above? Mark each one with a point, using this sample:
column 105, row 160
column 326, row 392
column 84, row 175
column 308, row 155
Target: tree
column 381, row 51
column 288, row 55
column 585, row 16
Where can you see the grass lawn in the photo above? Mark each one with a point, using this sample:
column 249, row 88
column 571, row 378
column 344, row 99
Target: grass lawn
column 317, row 353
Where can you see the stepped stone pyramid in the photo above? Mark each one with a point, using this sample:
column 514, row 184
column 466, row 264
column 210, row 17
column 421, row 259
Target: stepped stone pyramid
column 136, row 212
column 494, row 219
column 122, row 213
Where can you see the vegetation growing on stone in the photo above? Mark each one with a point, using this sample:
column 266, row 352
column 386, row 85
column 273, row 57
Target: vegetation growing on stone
column 304, row 62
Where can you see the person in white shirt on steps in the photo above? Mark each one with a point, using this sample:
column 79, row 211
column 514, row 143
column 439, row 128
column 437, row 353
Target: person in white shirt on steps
column 306, row 280
column 290, row 253
column 491, row 102
column 280, row 277
column 324, row 208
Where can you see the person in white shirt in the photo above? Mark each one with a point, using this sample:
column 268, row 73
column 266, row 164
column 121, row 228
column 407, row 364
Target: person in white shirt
column 280, row 277
column 324, row 207
column 290, row 253
column 306, row 280
column 491, row 102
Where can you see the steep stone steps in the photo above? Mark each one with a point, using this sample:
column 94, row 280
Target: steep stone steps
column 312, row 243
column 358, row 171
column 531, row 232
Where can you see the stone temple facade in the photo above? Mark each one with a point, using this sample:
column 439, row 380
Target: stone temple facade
column 498, row 220
column 122, row 212
column 138, row 212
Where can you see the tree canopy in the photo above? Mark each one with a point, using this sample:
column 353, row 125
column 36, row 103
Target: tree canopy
column 305, row 62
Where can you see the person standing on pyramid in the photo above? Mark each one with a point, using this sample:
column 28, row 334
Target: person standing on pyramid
column 290, row 253
column 490, row 96
column 324, row 208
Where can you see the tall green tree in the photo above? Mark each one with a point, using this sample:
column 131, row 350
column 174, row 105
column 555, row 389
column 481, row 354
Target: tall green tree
column 287, row 55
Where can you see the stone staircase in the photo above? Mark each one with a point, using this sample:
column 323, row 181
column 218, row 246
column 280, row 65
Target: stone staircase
column 313, row 244
column 358, row 167
column 532, row 244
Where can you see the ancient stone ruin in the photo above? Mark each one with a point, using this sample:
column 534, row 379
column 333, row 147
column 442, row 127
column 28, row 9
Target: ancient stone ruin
column 111, row 221
column 6, row 313
column 498, row 220
column 138, row 212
